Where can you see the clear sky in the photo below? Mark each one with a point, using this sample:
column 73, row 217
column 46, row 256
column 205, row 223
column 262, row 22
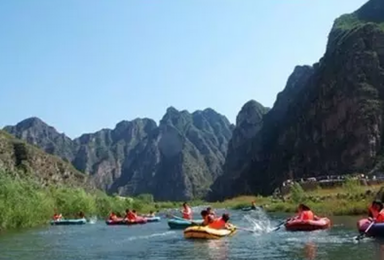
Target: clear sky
column 83, row 65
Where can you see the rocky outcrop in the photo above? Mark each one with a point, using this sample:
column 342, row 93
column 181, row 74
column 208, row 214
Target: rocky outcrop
column 249, row 121
column 328, row 119
column 177, row 160
column 27, row 161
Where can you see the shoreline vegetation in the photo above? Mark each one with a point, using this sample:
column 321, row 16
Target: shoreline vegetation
column 25, row 203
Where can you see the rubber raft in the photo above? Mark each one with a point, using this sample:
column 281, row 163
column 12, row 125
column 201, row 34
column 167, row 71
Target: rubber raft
column 376, row 230
column 129, row 222
column 307, row 225
column 199, row 232
column 69, row 221
column 250, row 208
column 182, row 223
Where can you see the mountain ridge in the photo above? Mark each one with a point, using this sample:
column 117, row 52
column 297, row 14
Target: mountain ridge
column 136, row 156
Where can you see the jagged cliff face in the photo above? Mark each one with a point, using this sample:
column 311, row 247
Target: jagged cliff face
column 27, row 161
column 177, row 160
column 328, row 119
column 249, row 121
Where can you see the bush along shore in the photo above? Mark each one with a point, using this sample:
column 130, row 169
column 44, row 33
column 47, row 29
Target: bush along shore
column 350, row 199
column 25, row 203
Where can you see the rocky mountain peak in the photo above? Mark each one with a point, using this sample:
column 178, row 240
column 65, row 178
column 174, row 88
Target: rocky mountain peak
column 372, row 11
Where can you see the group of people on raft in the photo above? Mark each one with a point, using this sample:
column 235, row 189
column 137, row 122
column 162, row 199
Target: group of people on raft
column 58, row 216
column 130, row 215
column 209, row 217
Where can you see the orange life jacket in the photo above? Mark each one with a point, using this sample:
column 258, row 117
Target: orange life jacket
column 112, row 216
column 187, row 213
column 131, row 216
column 380, row 217
column 306, row 215
column 56, row 216
column 373, row 212
column 218, row 223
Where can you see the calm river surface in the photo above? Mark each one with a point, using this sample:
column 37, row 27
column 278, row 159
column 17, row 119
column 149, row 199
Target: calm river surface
column 157, row 241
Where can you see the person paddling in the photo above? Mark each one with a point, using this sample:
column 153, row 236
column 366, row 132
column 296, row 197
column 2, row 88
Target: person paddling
column 221, row 223
column 186, row 211
column 253, row 206
column 305, row 213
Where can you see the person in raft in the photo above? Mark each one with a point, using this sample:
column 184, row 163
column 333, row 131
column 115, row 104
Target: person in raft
column 130, row 215
column 112, row 216
column 81, row 215
column 207, row 218
column 211, row 212
column 305, row 213
column 186, row 211
column 57, row 217
column 374, row 209
column 379, row 218
column 221, row 223
column 253, row 206
column 151, row 214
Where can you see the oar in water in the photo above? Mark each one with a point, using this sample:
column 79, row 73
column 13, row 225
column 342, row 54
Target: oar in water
column 279, row 226
column 361, row 236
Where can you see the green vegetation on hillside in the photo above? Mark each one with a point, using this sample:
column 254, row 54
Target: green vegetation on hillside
column 351, row 199
column 352, row 21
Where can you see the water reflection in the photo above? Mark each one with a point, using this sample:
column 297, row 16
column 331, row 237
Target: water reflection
column 310, row 250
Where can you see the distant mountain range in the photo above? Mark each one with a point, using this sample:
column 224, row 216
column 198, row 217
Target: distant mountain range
column 176, row 160
column 327, row 121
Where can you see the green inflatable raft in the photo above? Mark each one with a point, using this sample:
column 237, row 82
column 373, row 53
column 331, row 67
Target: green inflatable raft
column 80, row 221
column 179, row 223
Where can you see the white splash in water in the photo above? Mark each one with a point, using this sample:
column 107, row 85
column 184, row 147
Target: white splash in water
column 260, row 223
column 92, row 220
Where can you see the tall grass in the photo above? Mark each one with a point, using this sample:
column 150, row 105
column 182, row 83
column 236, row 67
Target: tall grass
column 25, row 203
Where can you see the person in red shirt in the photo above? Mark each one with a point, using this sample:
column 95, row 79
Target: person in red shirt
column 380, row 215
column 187, row 211
column 305, row 213
column 374, row 209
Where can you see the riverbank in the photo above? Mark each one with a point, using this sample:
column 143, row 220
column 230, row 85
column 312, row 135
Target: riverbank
column 24, row 203
column 350, row 199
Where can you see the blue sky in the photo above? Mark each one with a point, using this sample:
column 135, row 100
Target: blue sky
column 83, row 65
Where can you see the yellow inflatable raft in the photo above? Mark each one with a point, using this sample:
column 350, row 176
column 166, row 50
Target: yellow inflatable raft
column 208, row 233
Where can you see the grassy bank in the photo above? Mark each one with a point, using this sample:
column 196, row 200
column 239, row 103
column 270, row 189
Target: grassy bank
column 25, row 203
column 350, row 199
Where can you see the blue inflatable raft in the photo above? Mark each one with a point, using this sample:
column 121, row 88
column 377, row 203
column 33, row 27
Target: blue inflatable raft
column 183, row 223
column 80, row 221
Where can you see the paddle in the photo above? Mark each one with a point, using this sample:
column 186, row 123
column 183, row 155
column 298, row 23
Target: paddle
column 361, row 236
column 280, row 225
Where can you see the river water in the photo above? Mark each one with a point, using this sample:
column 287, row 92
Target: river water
column 157, row 241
